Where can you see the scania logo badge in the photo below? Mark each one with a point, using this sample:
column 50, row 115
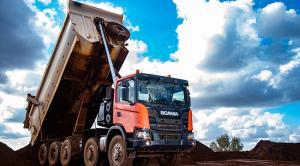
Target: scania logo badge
column 169, row 113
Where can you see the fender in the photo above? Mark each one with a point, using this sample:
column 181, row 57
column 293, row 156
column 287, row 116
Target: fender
column 114, row 128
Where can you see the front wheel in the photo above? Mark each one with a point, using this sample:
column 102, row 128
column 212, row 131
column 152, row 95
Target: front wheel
column 117, row 154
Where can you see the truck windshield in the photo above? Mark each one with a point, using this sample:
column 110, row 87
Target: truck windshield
column 161, row 93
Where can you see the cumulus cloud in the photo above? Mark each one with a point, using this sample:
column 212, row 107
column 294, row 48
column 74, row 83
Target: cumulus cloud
column 20, row 45
column 249, row 124
column 46, row 26
column 264, row 75
column 46, row 2
column 102, row 5
column 295, row 136
column 7, row 133
column 275, row 20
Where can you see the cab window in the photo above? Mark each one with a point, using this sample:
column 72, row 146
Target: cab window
column 126, row 91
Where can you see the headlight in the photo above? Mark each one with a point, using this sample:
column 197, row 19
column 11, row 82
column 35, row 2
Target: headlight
column 190, row 136
column 143, row 135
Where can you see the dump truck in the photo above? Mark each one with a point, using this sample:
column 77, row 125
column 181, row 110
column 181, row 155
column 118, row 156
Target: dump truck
column 84, row 109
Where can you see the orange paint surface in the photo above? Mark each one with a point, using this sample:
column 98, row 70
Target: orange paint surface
column 190, row 121
column 131, row 116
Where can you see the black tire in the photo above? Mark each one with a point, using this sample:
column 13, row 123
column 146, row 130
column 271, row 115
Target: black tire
column 91, row 152
column 65, row 152
column 42, row 154
column 117, row 153
column 53, row 155
column 170, row 160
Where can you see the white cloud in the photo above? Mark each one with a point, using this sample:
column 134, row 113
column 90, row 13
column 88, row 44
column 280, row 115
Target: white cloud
column 63, row 5
column 136, row 49
column 248, row 124
column 9, row 104
column 132, row 28
column 295, row 62
column 46, row 26
column 106, row 6
column 46, row 2
column 16, row 143
column 102, row 5
column 295, row 136
column 275, row 20
column 264, row 75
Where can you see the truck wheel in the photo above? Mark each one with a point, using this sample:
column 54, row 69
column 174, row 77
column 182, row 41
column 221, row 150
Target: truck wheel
column 170, row 160
column 91, row 152
column 65, row 152
column 53, row 155
column 42, row 154
column 117, row 154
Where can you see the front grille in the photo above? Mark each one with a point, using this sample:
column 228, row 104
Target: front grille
column 167, row 124
column 170, row 137
column 169, row 127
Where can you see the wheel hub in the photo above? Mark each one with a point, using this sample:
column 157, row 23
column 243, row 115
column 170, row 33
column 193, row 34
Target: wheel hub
column 65, row 154
column 117, row 153
column 90, row 152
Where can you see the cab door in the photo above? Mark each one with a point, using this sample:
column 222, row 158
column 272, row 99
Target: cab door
column 125, row 113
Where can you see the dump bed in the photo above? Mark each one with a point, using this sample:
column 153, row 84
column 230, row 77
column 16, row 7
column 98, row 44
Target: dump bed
column 76, row 76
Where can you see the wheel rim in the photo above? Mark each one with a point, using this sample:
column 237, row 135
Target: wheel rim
column 54, row 153
column 117, row 153
column 65, row 153
column 91, row 153
column 42, row 154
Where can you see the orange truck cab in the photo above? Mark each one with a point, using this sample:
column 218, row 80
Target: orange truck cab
column 153, row 112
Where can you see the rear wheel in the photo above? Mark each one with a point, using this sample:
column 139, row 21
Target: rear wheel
column 91, row 152
column 42, row 154
column 53, row 155
column 117, row 154
column 65, row 152
column 170, row 160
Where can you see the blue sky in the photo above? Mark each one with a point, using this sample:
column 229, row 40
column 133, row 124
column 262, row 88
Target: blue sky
column 242, row 59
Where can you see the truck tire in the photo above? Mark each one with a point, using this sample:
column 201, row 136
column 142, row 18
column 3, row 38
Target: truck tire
column 91, row 152
column 53, row 155
column 117, row 154
column 170, row 160
column 65, row 152
column 43, row 154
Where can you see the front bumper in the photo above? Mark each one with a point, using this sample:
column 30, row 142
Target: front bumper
column 162, row 141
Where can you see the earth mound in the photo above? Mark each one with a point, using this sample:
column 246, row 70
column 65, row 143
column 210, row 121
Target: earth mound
column 10, row 157
column 267, row 150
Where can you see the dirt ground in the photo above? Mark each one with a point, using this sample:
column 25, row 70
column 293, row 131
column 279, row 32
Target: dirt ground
column 264, row 153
